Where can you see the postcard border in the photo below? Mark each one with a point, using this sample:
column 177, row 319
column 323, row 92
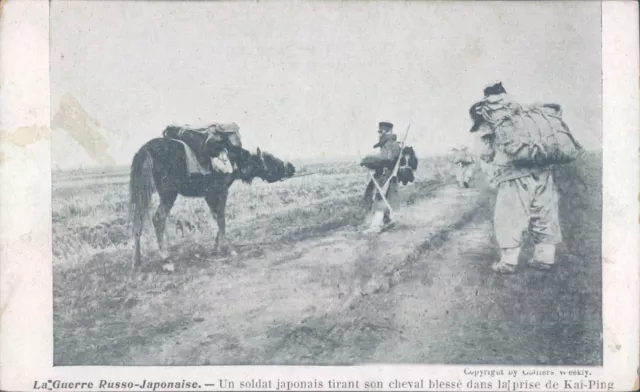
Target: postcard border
column 26, row 342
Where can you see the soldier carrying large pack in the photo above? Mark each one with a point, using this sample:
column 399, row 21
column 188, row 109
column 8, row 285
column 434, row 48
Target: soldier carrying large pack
column 521, row 144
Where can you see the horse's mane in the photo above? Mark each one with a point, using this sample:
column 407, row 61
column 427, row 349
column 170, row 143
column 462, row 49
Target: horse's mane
column 269, row 156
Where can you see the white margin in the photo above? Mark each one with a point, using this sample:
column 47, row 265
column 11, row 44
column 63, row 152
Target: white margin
column 25, row 223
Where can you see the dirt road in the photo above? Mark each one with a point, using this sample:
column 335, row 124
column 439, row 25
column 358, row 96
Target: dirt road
column 421, row 293
column 270, row 309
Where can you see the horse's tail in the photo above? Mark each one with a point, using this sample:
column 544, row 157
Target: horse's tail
column 141, row 188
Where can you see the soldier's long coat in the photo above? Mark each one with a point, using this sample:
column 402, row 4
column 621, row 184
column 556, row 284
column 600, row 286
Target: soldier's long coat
column 385, row 159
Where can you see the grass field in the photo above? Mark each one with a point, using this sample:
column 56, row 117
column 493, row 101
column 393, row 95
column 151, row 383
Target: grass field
column 89, row 209
column 298, row 248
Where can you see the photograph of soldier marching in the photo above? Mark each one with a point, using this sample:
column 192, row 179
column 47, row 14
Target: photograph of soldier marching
column 465, row 165
column 383, row 186
column 522, row 145
column 322, row 183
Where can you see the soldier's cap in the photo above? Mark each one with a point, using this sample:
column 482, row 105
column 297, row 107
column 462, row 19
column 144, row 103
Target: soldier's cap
column 494, row 89
column 387, row 126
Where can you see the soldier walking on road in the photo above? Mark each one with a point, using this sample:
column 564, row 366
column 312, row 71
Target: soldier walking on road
column 383, row 164
column 465, row 163
column 527, row 198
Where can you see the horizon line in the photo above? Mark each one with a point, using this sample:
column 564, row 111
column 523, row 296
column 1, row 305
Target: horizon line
column 304, row 161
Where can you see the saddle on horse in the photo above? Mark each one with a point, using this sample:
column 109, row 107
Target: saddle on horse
column 210, row 144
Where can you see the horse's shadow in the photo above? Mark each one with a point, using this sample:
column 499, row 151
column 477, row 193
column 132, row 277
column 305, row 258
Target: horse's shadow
column 201, row 257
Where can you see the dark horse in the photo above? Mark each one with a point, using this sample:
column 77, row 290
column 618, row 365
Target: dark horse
column 160, row 165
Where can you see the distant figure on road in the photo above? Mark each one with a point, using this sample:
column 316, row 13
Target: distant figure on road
column 520, row 144
column 465, row 164
column 383, row 164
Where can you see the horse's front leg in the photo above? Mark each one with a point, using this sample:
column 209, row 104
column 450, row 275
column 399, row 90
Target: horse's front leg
column 217, row 204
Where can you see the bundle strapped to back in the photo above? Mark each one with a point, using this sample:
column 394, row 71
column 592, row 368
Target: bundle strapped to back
column 209, row 143
column 408, row 164
column 535, row 134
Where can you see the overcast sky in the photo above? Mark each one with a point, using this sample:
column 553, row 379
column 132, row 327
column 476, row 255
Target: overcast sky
column 306, row 79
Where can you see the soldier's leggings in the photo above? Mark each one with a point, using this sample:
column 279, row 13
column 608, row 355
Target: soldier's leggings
column 464, row 173
column 379, row 204
column 527, row 203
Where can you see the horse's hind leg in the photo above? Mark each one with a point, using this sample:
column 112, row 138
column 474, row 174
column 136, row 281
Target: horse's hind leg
column 160, row 219
column 137, row 254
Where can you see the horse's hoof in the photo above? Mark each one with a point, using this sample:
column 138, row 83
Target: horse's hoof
column 168, row 267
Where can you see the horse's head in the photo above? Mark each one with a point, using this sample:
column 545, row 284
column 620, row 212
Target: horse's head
column 289, row 170
column 267, row 167
column 276, row 169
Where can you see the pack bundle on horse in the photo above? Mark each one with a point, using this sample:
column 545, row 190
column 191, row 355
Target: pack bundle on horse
column 183, row 163
column 211, row 145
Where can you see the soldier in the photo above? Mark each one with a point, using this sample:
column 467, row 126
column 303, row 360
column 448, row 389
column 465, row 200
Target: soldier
column 383, row 164
column 464, row 165
column 526, row 199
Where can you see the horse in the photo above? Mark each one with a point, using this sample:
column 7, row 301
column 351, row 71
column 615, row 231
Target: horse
column 160, row 166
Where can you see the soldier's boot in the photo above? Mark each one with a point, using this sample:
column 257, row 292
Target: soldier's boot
column 508, row 261
column 377, row 223
column 387, row 222
column 543, row 257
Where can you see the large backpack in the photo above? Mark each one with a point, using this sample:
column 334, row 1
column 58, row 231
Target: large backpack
column 535, row 134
